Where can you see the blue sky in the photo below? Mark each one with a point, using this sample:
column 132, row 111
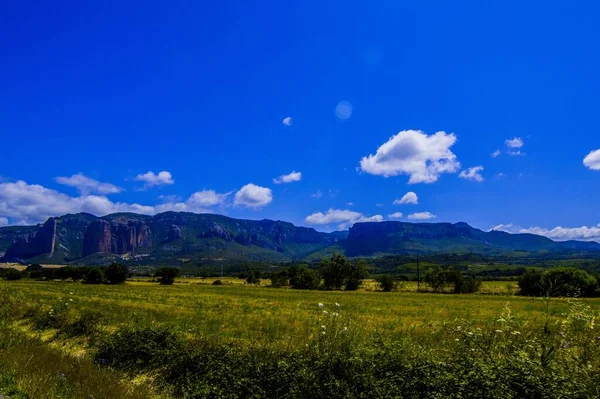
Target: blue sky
column 95, row 95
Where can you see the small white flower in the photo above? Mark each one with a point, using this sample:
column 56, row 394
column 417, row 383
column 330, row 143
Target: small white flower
column 320, row 305
column 516, row 333
column 323, row 332
column 337, row 305
column 325, row 312
column 470, row 333
column 345, row 328
column 71, row 293
column 323, row 327
column 336, row 314
column 66, row 303
column 456, row 339
column 70, row 299
column 499, row 331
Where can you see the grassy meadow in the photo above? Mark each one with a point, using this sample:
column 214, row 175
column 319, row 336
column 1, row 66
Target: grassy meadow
column 236, row 321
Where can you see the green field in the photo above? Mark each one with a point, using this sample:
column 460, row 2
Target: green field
column 267, row 319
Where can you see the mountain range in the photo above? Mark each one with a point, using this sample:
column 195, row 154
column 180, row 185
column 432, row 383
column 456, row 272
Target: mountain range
column 175, row 237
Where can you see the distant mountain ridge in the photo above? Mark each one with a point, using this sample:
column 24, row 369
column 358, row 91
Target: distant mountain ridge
column 172, row 237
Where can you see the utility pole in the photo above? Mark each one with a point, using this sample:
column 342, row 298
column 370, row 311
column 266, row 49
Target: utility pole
column 418, row 275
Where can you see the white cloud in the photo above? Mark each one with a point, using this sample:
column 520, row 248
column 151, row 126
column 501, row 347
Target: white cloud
column 253, row 196
column 421, row 216
column 3, row 222
column 500, row 175
column 408, row 198
column 516, row 142
column 516, row 153
column 87, row 185
column 33, row 203
column 395, row 215
column 583, row 233
column 350, row 203
column 343, row 218
column 289, row 178
column 207, row 198
column 287, row 121
column 592, row 160
column 472, row 174
column 496, row 154
column 412, row 152
column 151, row 179
column 317, row 195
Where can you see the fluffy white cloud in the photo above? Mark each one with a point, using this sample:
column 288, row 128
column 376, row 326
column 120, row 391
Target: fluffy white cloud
column 583, row 233
column 151, row 179
column 421, row 216
column 408, row 198
column 24, row 203
column 472, row 174
column 516, row 153
column 207, row 198
column 287, row 121
column 496, row 154
column 343, row 218
column 87, row 185
column 412, row 152
column 3, row 222
column 592, row 160
column 395, row 215
column 289, row 178
column 253, row 196
column 516, row 142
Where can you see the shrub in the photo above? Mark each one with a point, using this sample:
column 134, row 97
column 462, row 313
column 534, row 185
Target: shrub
column 217, row 282
column 138, row 348
column 57, row 316
column 116, row 273
column 466, row 285
column 93, row 276
column 303, row 278
column 87, row 324
column 13, row 275
column 166, row 275
column 437, row 278
column 386, row 282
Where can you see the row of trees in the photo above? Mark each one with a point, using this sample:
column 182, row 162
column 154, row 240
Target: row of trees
column 116, row 273
column 560, row 282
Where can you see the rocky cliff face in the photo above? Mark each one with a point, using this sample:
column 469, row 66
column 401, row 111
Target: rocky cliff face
column 118, row 236
column 34, row 243
column 97, row 238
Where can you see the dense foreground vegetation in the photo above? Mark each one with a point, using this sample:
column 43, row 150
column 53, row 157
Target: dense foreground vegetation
column 200, row 340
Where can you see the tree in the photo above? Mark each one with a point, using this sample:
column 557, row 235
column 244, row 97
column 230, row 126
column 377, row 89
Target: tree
column 280, row 279
column 93, row 276
column 386, row 282
column 116, row 273
column 253, row 278
column 436, row 277
column 355, row 273
column 166, row 275
column 560, row 281
column 333, row 271
column 303, row 278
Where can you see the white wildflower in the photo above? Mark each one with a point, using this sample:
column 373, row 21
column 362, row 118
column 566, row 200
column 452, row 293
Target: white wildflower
column 499, row 331
column 336, row 314
column 323, row 327
column 325, row 312
column 320, row 305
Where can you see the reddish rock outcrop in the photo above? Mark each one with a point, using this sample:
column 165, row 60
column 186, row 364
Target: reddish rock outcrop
column 117, row 237
column 97, row 238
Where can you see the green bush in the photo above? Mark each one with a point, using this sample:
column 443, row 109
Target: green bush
column 94, row 275
column 386, row 282
column 116, row 273
column 166, row 275
column 13, row 275
column 88, row 323
column 217, row 282
column 138, row 348
column 253, row 278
